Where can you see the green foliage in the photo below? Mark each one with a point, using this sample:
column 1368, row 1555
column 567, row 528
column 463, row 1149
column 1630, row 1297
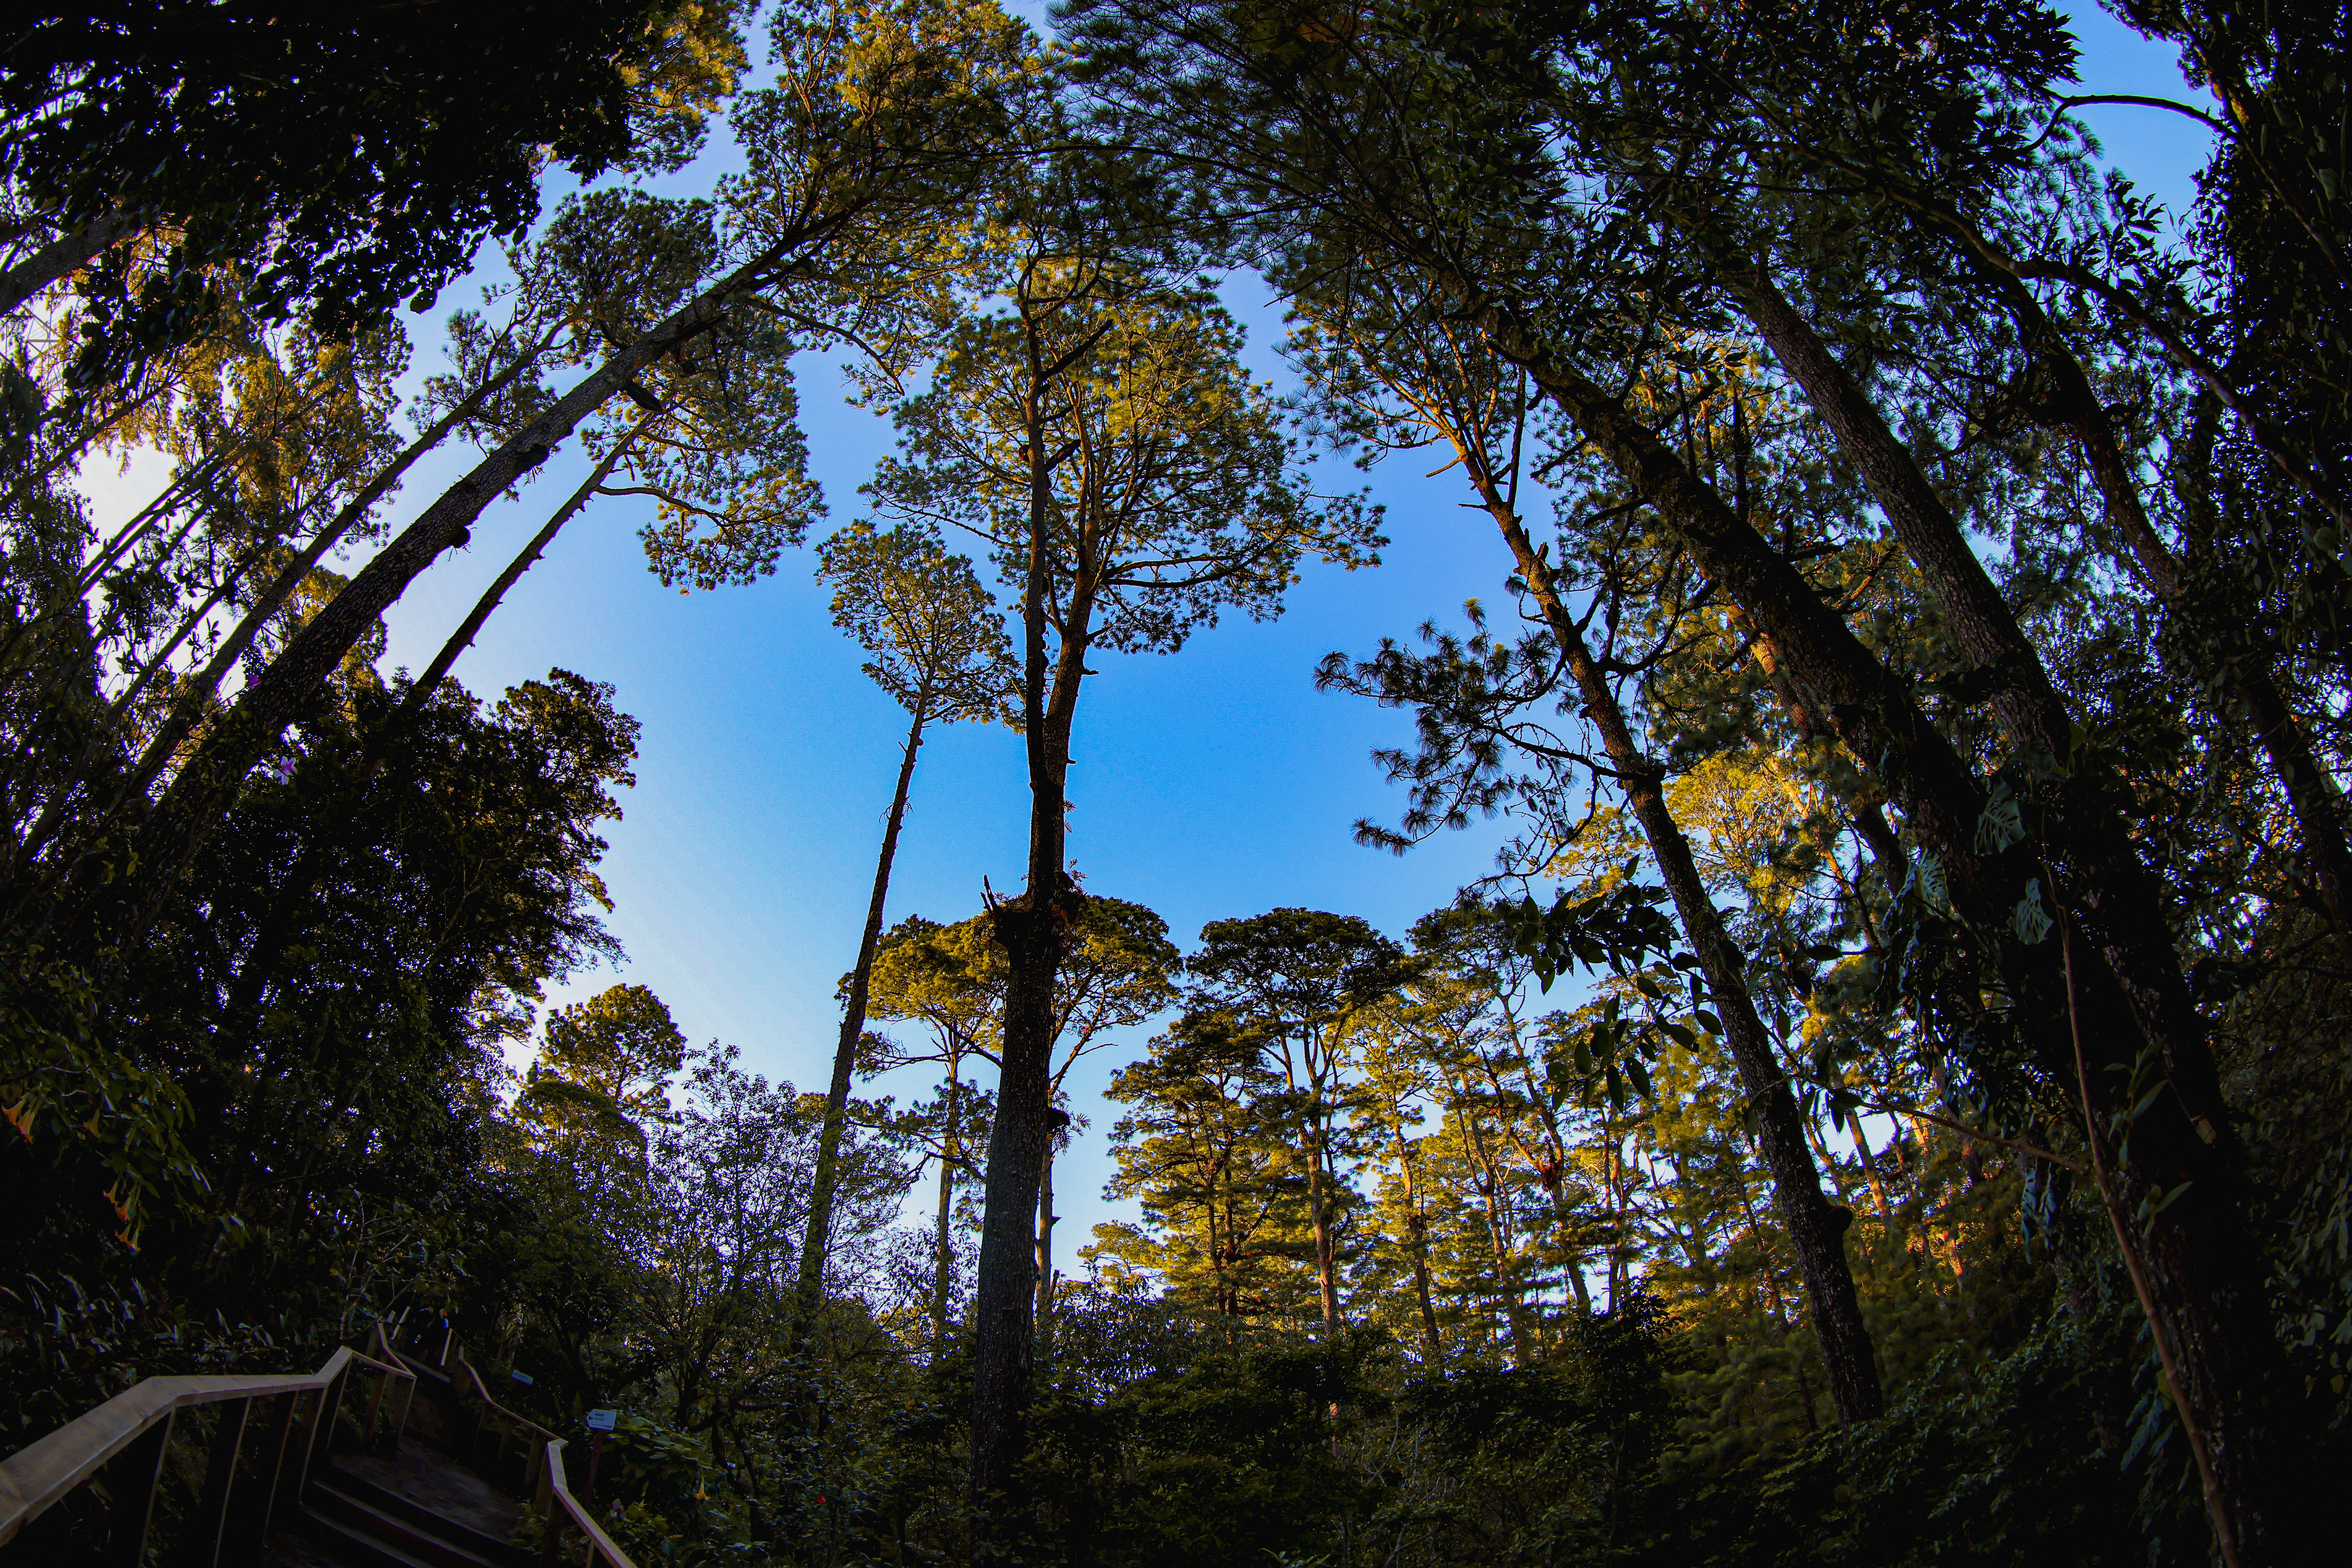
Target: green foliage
column 619, row 1045
column 361, row 167
column 936, row 638
column 86, row 1113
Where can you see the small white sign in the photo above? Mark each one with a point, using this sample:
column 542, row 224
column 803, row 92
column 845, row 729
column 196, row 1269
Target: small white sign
column 601, row 1420
column 521, row 1377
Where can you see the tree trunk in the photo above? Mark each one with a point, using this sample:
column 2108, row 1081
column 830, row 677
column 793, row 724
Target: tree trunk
column 67, row 254
column 470, row 628
column 2234, row 651
column 1576, row 1285
column 1046, row 1217
column 2110, row 883
column 191, row 704
column 1817, row 1226
column 827, row 1180
column 1417, row 1244
column 1327, row 1284
column 2205, row 1307
column 942, row 1249
column 1030, row 930
column 1870, row 1171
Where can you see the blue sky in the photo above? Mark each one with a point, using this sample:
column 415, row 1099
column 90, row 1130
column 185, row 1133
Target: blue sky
column 1213, row 783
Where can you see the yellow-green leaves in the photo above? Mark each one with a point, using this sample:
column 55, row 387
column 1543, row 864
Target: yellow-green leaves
column 1171, row 486
column 606, row 1065
column 936, row 638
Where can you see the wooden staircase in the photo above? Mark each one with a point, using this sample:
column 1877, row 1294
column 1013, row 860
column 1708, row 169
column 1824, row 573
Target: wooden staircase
column 432, row 1474
column 420, row 1506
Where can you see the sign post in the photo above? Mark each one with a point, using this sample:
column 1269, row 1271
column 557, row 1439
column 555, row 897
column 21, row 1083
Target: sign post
column 601, row 1422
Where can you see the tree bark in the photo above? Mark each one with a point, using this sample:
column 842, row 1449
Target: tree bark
column 458, row 641
column 1046, row 1217
column 1817, row 1226
column 943, row 1251
column 1420, row 1245
column 1417, row 1244
column 2027, row 703
column 2245, row 660
column 68, row 253
column 189, row 707
column 2236, row 653
column 827, row 1180
column 1327, row 1284
column 2203, row 1309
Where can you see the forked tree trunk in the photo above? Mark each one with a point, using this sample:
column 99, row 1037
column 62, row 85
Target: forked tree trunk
column 459, row 641
column 2027, row 701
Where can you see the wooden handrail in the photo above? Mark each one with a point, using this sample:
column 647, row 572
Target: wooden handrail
column 134, row 1426
column 601, row 1546
column 482, row 1393
column 544, row 1479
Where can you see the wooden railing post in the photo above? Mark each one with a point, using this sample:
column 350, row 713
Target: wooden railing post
column 252, row 1518
column 551, row 1483
column 319, row 1443
column 131, row 1476
column 375, row 1409
column 404, row 1395
column 201, row 1543
column 400, row 1419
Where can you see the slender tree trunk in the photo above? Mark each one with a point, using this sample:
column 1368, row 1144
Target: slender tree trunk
column 1555, row 1186
column 1870, row 1171
column 1816, row 1226
column 470, row 628
column 2236, row 651
column 2204, row 1304
column 2200, row 1251
column 2028, row 703
column 1327, row 1282
column 191, row 704
column 1046, row 1217
column 827, row 1177
column 943, row 1247
column 1829, row 1161
column 1417, row 1244
column 1612, row 1172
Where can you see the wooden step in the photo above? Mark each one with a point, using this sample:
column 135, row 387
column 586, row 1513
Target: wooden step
column 341, row 1488
column 364, row 1535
